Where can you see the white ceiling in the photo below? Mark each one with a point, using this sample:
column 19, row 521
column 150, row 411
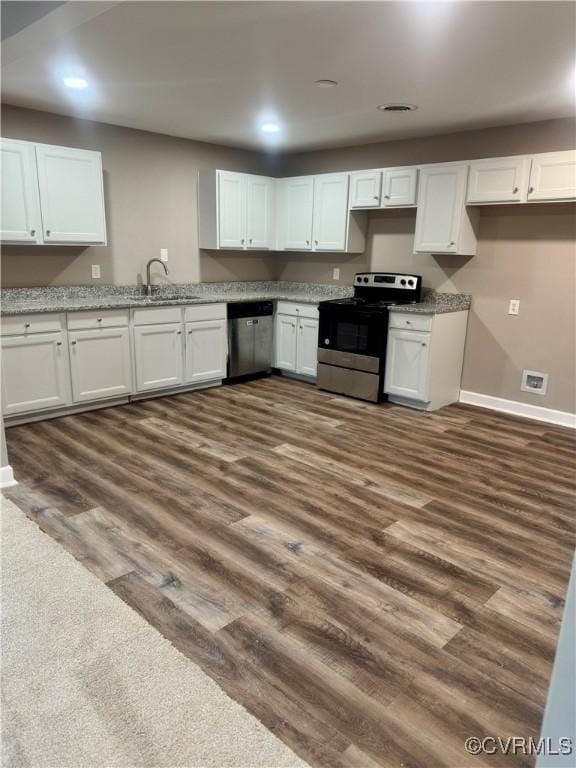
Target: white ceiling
column 214, row 71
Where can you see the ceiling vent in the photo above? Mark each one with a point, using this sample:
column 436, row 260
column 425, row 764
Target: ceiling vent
column 397, row 107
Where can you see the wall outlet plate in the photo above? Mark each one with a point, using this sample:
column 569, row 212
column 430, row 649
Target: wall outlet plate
column 336, row 273
column 96, row 271
column 535, row 382
column 163, row 254
column 514, row 307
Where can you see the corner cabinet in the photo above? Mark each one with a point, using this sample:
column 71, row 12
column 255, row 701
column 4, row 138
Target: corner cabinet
column 443, row 223
column 553, row 177
column 235, row 211
column 424, row 358
column 296, row 338
column 51, row 195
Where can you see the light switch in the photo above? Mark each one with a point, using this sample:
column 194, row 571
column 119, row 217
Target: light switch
column 336, row 273
column 163, row 254
column 96, row 271
column 514, row 307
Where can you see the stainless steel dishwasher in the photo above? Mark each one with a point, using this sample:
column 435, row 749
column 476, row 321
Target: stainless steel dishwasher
column 250, row 338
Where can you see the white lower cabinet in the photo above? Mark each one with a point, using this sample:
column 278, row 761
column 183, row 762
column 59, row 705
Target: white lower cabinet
column 296, row 338
column 307, row 347
column 407, row 363
column 35, row 373
column 100, row 363
column 158, row 356
column 285, row 342
column 205, row 350
column 424, row 358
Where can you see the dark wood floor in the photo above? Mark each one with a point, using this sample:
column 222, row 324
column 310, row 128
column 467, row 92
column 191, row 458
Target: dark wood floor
column 374, row 584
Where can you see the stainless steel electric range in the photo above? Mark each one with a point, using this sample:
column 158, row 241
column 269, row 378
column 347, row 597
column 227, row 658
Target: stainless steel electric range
column 353, row 332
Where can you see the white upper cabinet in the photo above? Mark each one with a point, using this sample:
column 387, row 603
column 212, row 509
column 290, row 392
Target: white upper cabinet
column 330, row 224
column 259, row 212
column 399, row 187
column 71, row 195
column 231, row 210
column 295, row 212
column 20, row 210
column 235, row 210
column 553, row 176
column 443, row 224
column 498, row 180
column 365, row 189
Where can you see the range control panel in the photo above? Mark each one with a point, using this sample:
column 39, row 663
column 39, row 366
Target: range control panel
column 386, row 280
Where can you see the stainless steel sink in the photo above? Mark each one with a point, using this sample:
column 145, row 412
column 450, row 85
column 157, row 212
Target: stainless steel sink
column 170, row 298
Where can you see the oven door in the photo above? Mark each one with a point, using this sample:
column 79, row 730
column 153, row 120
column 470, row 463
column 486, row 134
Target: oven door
column 356, row 331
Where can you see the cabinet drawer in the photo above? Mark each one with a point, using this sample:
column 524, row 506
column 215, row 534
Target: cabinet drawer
column 410, row 321
column 205, row 312
column 297, row 310
column 41, row 323
column 80, row 321
column 157, row 315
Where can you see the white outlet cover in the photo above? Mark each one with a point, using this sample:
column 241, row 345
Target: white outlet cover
column 514, row 307
column 336, row 273
column 96, row 271
column 163, row 254
column 535, row 382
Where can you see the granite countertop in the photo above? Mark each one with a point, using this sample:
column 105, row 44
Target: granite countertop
column 20, row 301
column 438, row 304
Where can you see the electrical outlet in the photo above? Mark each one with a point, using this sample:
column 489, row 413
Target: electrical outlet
column 163, row 254
column 336, row 273
column 96, row 271
column 514, row 307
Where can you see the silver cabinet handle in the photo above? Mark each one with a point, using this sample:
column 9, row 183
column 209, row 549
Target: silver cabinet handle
column 376, row 197
column 72, row 342
column 243, row 240
column 59, row 343
column 530, row 190
column 26, row 325
column 307, row 242
column 386, row 197
column 315, row 242
column 424, row 344
column 250, row 240
column 179, row 333
column 47, row 233
column 515, row 190
column 452, row 242
column 189, row 332
column 293, row 325
column 32, row 232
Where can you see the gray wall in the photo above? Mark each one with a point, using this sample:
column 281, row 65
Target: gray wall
column 150, row 190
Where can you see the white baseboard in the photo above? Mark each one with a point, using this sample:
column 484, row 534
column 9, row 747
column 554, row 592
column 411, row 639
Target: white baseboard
column 536, row 412
column 7, row 477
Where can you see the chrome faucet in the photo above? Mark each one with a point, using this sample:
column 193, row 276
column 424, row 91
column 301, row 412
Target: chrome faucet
column 148, row 283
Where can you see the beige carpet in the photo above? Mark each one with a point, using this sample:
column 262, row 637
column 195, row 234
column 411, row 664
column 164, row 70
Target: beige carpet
column 87, row 683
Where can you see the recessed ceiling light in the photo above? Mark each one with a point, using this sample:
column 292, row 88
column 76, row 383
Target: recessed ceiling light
column 396, row 107
column 326, row 83
column 76, row 83
column 270, row 127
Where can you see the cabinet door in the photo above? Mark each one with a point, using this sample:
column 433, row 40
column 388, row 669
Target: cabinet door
column 365, row 189
column 231, row 210
column 295, row 210
column 553, row 176
column 158, row 352
column 407, row 364
column 500, row 180
column 399, row 187
column 20, row 202
column 330, row 212
column 71, row 195
column 34, row 373
column 205, row 350
column 285, row 342
column 100, row 363
column 307, row 346
column 440, row 208
column 259, row 212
